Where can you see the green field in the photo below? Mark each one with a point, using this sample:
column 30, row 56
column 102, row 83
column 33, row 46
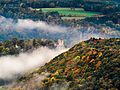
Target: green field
column 77, row 12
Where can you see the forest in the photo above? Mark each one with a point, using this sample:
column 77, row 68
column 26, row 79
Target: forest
column 59, row 44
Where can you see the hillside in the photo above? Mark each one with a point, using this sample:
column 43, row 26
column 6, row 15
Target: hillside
column 89, row 65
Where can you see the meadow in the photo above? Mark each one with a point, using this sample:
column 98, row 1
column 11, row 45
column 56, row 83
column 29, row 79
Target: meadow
column 67, row 12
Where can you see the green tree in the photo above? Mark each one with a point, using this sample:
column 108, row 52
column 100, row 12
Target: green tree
column 5, row 51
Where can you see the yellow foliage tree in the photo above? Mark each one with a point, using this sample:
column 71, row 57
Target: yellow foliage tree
column 98, row 64
column 92, row 60
column 83, row 57
column 100, row 54
column 52, row 79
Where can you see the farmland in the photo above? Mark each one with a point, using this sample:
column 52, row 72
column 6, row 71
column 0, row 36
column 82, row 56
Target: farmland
column 70, row 11
column 66, row 13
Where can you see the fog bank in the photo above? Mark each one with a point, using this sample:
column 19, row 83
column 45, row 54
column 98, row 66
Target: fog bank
column 11, row 66
column 27, row 24
column 27, row 29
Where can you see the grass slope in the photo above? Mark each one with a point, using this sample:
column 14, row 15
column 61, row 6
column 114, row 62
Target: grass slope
column 89, row 65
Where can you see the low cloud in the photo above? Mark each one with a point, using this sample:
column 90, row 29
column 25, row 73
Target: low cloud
column 27, row 24
column 40, row 25
column 11, row 66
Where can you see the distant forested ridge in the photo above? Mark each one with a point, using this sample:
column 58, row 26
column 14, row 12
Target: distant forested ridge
column 16, row 46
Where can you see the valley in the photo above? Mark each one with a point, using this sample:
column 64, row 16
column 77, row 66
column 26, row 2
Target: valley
column 59, row 44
